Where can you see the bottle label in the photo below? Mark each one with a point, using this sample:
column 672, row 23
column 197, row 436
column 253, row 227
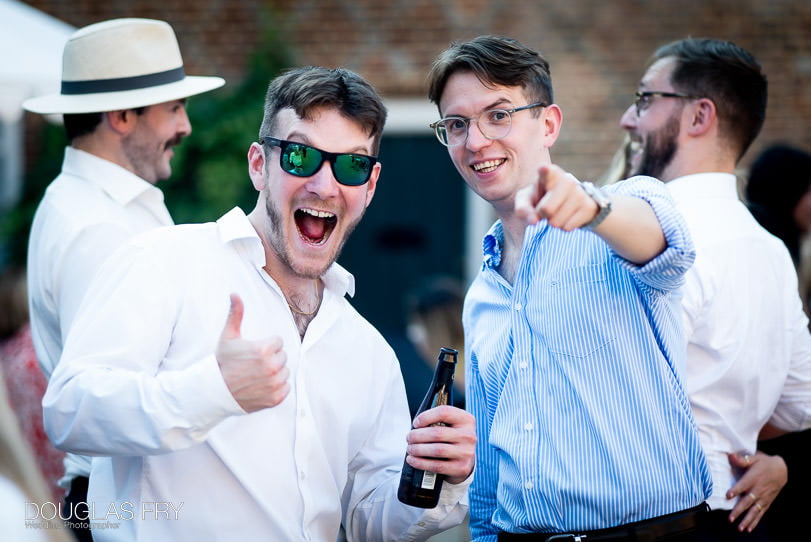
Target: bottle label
column 428, row 480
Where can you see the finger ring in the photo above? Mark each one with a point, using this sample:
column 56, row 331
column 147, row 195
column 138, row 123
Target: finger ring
column 754, row 498
column 759, row 506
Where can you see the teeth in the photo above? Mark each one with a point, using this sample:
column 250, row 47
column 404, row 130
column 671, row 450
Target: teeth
column 317, row 214
column 487, row 166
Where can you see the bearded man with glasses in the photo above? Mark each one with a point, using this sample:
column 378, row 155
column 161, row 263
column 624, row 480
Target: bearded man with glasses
column 700, row 105
column 573, row 342
column 233, row 391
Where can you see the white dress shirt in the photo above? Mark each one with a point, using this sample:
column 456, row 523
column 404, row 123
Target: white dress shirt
column 749, row 349
column 139, row 382
column 87, row 212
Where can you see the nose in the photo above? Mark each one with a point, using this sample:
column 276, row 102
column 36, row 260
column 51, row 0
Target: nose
column 475, row 138
column 184, row 125
column 629, row 118
column 323, row 183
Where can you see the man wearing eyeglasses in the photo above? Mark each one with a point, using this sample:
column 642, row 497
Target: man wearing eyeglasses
column 700, row 104
column 235, row 391
column 573, row 342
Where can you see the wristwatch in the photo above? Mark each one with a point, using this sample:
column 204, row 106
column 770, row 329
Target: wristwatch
column 602, row 201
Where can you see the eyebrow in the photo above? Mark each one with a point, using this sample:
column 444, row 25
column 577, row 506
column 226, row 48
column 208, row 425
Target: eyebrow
column 497, row 104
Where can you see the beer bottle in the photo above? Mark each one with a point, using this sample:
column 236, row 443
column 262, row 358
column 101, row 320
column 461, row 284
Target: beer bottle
column 418, row 487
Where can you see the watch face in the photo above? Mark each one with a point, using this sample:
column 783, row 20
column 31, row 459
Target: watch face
column 602, row 201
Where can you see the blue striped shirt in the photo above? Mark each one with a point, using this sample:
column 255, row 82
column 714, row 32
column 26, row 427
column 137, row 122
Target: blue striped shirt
column 574, row 377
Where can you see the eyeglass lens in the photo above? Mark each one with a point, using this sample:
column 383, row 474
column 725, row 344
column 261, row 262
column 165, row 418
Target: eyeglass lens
column 643, row 101
column 493, row 124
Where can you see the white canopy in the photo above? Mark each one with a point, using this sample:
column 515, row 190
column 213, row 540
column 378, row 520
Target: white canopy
column 31, row 44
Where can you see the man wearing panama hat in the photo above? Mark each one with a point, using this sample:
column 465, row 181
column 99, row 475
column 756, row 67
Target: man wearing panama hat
column 123, row 99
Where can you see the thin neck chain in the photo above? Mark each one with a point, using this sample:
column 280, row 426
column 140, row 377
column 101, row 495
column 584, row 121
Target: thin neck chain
column 318, row 303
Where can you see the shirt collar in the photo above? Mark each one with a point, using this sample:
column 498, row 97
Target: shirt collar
column 703, row 185
column 492, row 245
column 120, row 184
column 234, row 227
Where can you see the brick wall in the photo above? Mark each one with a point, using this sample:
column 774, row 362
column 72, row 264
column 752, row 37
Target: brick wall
column 597, row 48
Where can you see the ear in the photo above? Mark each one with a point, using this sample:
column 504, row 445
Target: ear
column 552, row 118
column 703, row 116
column 122, row 122
column 256, row 166
column 371, row 185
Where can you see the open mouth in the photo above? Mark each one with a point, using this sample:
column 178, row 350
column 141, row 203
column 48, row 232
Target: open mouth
column 487, row 166
column 314, row 226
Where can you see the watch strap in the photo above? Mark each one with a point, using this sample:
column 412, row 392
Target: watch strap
column 603, row 205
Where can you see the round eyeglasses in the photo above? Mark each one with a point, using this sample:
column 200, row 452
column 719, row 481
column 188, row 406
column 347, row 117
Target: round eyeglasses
column 493, row 124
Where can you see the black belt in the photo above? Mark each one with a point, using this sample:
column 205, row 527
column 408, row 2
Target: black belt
column 649, row 529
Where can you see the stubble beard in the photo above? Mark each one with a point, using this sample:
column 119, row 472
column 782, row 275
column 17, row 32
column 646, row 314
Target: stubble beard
column 278, row 244
column 147, row 158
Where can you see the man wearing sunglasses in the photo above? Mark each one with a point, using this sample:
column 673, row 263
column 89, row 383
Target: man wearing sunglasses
column 699, row 106
column 572, row 336
column 235, row 391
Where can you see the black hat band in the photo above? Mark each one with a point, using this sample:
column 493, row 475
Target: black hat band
column 123, row 83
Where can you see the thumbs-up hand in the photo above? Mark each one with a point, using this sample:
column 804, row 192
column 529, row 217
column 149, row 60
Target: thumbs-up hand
column 254, row 371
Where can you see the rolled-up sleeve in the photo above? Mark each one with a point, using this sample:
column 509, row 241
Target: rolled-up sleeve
column 666, row 271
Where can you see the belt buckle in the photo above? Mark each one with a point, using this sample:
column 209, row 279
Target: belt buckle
column 567, row 538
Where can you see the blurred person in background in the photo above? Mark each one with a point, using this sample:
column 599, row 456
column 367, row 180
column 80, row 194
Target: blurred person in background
column 621, row 164
column 24, row 379
column 778, row 193
column 434, row 321
column 123, row 101
column 26, row 507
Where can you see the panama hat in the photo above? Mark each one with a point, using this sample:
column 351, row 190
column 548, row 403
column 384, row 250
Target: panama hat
column 121, row 64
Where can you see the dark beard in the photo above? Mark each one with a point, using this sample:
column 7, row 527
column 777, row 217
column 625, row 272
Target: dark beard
column 659, row 150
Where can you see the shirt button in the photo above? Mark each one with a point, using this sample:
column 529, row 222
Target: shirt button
column 523, row 365
column 302, row 475
column 528, row 426
column 518, row 306
column 529, row 485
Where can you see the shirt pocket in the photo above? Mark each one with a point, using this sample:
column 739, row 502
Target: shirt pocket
column 576, row 315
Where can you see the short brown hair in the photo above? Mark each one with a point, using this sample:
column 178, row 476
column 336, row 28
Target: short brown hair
column 726, row 74
column 305, row 89
column 495, row 60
